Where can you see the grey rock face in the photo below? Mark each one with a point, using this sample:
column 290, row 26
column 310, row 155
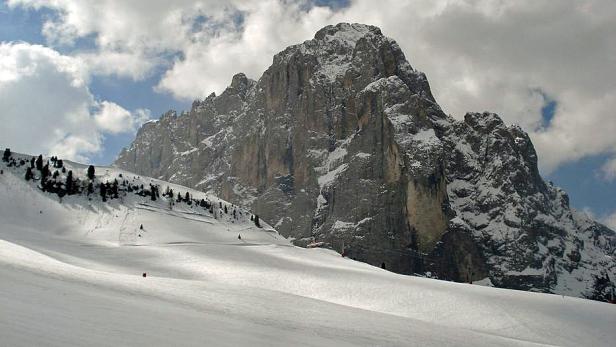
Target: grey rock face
column 341, row 142
column 526, row 233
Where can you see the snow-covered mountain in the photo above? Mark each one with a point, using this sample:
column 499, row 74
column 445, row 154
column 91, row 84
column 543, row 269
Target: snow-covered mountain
column 72, row 273
column 341, row 143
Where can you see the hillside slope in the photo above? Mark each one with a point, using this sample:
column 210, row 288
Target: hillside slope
column 72, row 275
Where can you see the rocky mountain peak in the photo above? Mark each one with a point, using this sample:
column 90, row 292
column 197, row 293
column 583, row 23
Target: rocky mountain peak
column 485, row 122
column 353, row 55
column 239, row 80
column 349, row 33
column 239, row 84
column 341, row 144
column 169, row 116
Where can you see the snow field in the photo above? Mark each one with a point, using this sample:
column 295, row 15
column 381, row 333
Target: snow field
column 71, row 275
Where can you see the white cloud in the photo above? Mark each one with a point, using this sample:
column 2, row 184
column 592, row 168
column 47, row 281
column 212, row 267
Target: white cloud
column 583, row 126
column 122, row 64
column 502, row 56
column 47, row 106
column 610, row 221
column 589, row 212
column 268, row 27
column 140, row 116
column 114, row 119
column 129, row 35
column 608, row 170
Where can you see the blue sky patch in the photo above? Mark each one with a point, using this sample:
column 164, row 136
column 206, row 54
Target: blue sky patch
column 547, row 111
column 582, row 180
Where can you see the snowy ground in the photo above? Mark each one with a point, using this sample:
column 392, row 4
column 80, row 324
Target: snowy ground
column 71, row 274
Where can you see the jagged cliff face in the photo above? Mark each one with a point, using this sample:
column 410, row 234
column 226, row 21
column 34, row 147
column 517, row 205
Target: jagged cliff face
column 340, row 141
column 526, row 233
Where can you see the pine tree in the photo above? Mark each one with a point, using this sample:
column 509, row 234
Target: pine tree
column 257, row 222
column 45, row 172
column 226, row 211
column 103, row 191
column 7, row 155
column 59, row 163
column 29, row 175
column 91, row 172
column 60, row 191
column 187, row 197
column 114, row 189
column 39, row 163
column 70, row 184
column 32, row 162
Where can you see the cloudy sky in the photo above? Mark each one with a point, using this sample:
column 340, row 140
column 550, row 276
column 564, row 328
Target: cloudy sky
column 78, row 77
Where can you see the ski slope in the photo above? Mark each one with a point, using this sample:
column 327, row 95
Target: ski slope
column 71, row 274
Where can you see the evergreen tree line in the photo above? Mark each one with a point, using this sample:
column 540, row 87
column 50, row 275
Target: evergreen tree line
column 51, row 181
